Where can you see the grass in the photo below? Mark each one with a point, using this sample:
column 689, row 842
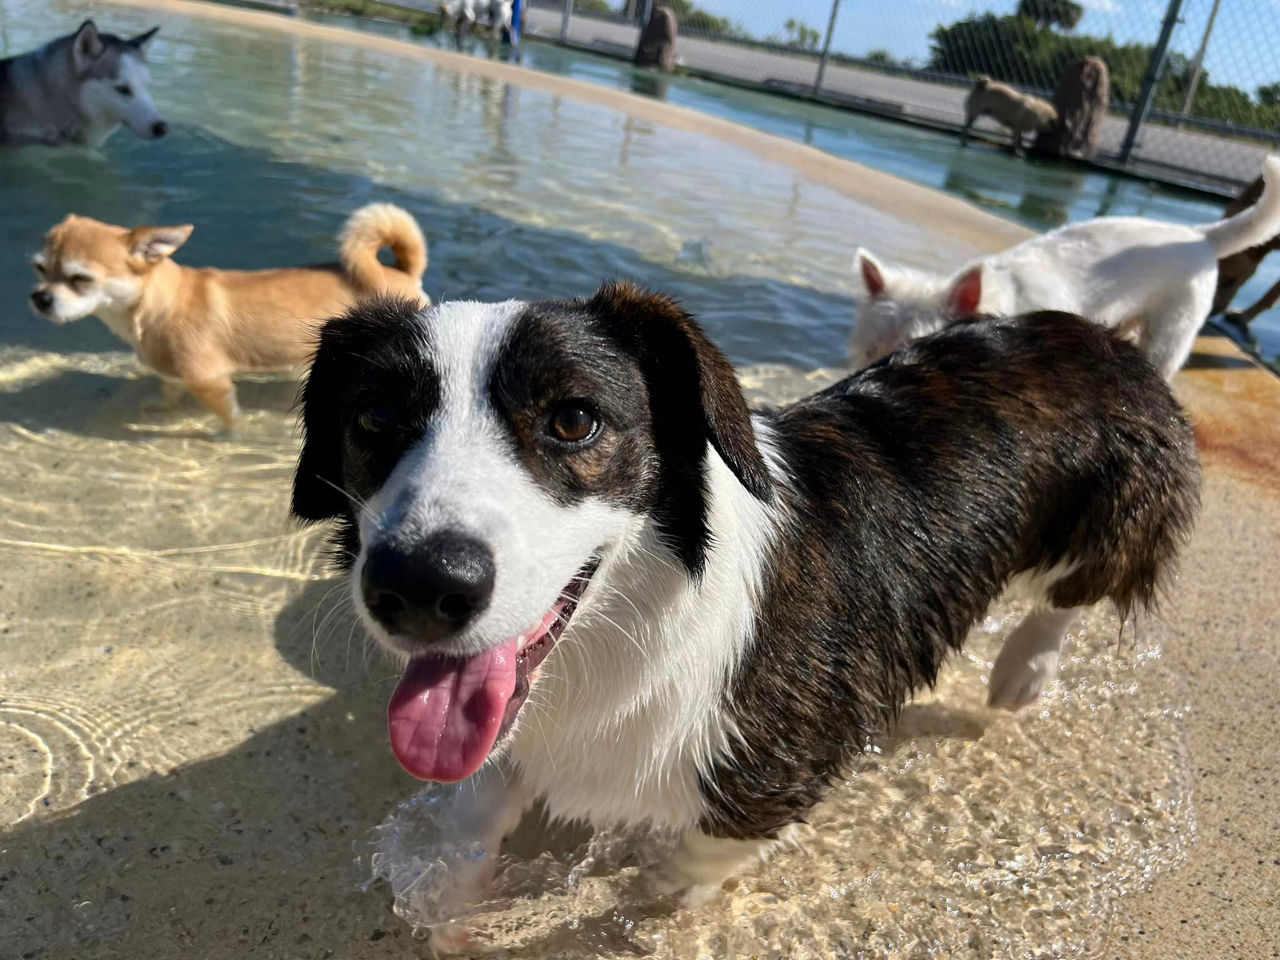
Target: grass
column 417, row 21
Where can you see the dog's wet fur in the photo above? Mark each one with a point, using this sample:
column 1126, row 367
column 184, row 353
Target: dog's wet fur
column 791, row 576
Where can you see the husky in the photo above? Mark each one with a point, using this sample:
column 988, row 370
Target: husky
column 78, row 90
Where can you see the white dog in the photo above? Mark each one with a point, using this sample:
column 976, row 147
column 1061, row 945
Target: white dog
column 498, row 13
column 1146, row 277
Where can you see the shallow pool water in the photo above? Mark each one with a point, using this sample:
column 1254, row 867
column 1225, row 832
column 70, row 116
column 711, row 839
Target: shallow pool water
column 1038, row 193
column 192, row 753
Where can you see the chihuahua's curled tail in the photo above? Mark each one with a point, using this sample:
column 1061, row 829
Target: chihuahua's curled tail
column 370, row 229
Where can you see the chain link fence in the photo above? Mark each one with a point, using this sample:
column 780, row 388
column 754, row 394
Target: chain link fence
column 1195, row 84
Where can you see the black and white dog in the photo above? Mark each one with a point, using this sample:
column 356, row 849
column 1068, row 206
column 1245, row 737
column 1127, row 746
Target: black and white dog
column 704, row 613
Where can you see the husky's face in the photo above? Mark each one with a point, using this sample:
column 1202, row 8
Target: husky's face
column 485, row 459
column 114, row 83
column 87, row 267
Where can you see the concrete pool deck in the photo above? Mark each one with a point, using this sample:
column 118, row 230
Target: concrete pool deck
column 1224, row 902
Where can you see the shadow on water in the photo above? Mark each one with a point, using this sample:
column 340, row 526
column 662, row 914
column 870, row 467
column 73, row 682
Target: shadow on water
column 248, row 852
column 253, row 210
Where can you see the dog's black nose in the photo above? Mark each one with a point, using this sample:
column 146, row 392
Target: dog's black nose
column 428, row 590
column 159, row 129
column 42, row 299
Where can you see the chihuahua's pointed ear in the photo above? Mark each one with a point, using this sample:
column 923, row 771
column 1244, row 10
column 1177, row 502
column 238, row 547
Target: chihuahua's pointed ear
column 694, row 400
column 86, row 46
column 153, row 244
column 141, row 40
column 870, row 271
column 965, row 294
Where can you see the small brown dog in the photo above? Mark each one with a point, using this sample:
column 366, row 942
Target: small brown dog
column 1020, row 112
column 1234, row 271
column 199, row 327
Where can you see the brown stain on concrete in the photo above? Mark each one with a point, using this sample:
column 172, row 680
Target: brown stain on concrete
column 1235, row 405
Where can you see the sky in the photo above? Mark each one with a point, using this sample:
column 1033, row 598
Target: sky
column 1244, row 50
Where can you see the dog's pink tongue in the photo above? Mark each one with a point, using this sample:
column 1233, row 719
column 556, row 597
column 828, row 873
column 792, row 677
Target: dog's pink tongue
column 446, row 713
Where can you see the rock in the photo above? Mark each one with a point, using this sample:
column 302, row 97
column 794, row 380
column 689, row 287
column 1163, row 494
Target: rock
column 1082, row 98
column 657, row 47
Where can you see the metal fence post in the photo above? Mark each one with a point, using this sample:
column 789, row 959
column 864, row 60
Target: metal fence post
column 565, row 16
column 826, row 47
column 1197, row 64
column 1155, row 68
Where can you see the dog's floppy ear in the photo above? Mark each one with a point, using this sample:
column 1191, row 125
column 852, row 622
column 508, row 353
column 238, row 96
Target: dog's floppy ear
column 694, row 400
column 317, row 483
column 141, row 40
column 86, row 46
column 153, row 244
column 965, row 293
column 872, row 273
column 679, row 357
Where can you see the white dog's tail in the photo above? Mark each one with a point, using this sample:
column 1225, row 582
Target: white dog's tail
column 1253, row 225
column 370, row 229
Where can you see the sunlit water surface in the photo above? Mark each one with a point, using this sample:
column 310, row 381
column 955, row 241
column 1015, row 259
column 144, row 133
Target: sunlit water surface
column 192, row 755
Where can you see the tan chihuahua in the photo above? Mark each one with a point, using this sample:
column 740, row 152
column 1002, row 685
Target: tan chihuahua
column 199, row 327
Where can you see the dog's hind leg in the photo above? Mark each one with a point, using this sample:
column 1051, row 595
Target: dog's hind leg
column 171, row 394
column 703, row 863
column 1168, row 334
column 219, row 396
column 1028, row 661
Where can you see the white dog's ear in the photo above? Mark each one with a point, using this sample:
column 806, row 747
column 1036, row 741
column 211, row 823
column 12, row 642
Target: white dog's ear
column 153, row 244
column 86, row 46
column 965, row 293
column 871, row 272
column 141, row 40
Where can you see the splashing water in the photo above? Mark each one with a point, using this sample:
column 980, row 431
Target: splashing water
column 969, row 833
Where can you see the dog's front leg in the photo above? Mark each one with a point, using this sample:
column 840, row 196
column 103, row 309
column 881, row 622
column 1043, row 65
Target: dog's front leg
column 702, row 864
column 482, row 812
column 1028, row 661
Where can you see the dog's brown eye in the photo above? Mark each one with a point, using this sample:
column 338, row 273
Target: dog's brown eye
column 39, row 268
column 573, row 423
column 81, row 280
column 373, row 418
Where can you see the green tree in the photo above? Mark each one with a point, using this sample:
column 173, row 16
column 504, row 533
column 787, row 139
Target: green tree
column 1048, row 13
column 800, row 34
column 700, row 21
column 1269, row 95
column 594, row 6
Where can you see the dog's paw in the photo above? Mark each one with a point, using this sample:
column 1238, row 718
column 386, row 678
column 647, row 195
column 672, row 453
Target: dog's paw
column 1017, row 682
column 450, row 939
column 671, row 881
